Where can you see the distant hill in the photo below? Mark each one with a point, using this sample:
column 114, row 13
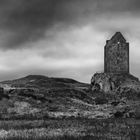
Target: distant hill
column 43, row 81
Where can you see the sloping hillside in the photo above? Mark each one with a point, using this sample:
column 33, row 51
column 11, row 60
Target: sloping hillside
column 35, row 94
column 37, row 97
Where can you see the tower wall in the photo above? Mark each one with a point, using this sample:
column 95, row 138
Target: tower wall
column 116, row 57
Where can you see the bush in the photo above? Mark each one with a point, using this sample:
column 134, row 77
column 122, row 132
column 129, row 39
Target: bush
column 137, row 113
column 101, row 100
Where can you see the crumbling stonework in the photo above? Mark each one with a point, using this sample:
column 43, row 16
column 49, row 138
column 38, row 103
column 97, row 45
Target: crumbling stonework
column 116, row 55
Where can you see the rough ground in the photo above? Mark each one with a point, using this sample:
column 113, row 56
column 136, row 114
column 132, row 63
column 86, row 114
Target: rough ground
column 37, row 97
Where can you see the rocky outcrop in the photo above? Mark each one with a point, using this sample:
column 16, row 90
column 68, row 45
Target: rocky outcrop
column 109, row 82
column 102, row 82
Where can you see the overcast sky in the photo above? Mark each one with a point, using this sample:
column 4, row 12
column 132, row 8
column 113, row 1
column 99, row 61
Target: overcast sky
column 64, row 38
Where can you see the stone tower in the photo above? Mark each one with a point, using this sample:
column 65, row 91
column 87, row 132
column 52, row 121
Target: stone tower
column 116, row 55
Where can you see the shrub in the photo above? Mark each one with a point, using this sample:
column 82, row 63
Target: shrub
column 101, row 100
column 137, row 113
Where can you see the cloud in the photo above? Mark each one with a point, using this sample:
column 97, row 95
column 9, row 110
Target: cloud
column 63, row 38
column 24, row 21
column 76, row 57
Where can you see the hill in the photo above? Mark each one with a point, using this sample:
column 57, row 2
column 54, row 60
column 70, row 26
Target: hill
column 41, row 96
column 37, row 97
column 39, row 81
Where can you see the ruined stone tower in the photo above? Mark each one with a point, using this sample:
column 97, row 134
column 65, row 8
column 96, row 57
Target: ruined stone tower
column 116, row 55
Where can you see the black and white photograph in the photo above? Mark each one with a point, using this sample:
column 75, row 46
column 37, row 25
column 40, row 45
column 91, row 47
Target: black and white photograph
column 69, row 69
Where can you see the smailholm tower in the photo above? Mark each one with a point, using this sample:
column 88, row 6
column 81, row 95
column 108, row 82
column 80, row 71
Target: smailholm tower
column 116, row 55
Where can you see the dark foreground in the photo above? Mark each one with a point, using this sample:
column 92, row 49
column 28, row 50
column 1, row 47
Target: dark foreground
column 70, row 129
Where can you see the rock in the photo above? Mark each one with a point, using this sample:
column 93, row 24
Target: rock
column 113, row 82
column 102, row 82
column 128, row 91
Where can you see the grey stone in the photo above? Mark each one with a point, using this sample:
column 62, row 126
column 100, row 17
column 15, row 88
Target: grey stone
column 116, row 55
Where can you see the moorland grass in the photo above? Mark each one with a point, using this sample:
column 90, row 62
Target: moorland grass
column 70, row 129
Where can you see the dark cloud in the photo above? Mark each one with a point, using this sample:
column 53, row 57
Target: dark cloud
column 28, row 20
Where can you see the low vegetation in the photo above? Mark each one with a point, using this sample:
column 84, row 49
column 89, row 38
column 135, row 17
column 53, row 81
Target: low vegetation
column 70, row 129
column 42, row 108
